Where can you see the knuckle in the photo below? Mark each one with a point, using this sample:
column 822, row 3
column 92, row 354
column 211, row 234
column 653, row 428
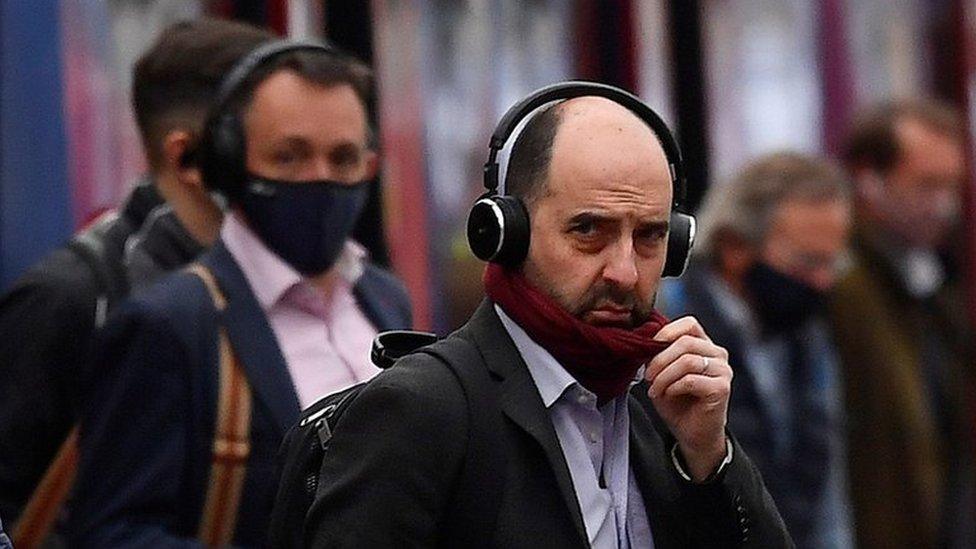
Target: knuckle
column 687, row 360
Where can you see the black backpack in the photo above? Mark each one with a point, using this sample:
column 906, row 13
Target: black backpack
column 304, row 445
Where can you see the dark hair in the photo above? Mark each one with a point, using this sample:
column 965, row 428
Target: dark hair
column 873, row 141
column 322, row 68
column 176, row 80
column 528, row 165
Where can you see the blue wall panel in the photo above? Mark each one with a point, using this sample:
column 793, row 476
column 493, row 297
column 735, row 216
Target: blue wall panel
column 35, row 209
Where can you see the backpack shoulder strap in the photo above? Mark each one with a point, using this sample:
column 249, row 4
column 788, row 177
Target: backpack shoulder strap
column 112, row 283
column 482, row 474
column 45, row 503
column 232, row 443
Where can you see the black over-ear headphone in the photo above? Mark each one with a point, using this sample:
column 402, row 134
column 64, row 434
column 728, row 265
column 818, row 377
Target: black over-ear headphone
column 498, row 225
column 222, row 146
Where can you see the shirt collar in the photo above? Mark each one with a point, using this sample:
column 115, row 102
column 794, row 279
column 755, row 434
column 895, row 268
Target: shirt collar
column 549, row 376
column 271, row 277
column 921, row 270
column 551, row 379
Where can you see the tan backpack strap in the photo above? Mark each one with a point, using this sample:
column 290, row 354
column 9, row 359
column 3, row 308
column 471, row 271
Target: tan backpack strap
column 232, row 444
column 204, row 274
column 42, row 508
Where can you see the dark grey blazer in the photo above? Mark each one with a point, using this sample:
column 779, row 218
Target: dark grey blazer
column 391, row 475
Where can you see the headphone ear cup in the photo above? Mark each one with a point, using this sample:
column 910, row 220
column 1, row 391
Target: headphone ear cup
column 498, row 230
column 223, row 157
column 681, row 237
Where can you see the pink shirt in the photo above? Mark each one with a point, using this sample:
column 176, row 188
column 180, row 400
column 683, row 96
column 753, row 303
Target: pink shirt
column 325, row 340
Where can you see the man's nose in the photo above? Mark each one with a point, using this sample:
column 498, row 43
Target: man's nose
column 621, row 266
column 321, row 169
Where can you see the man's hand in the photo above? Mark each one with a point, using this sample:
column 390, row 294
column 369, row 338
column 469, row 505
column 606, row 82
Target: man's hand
column 690, row 382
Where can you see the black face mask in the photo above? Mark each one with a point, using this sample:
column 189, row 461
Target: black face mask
column 781, row 302
column 305, row 223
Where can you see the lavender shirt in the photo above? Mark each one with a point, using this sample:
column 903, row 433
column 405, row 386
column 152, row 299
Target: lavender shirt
column 325, row 340
column 593, row 439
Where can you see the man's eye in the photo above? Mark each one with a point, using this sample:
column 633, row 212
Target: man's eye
column 584, row 228
column 652, row 233
column 285, row 157
column 345, row 159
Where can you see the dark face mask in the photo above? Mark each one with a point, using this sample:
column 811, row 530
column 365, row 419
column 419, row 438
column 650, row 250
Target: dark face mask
column 305, row 223
column 781, row 302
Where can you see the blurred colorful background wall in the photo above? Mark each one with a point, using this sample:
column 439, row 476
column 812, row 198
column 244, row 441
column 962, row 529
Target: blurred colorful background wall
column 735, row 78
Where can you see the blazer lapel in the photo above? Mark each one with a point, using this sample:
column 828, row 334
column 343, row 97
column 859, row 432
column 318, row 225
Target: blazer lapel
column 520, row 400
column 253, row 340
column 376, row 302
column 654, row 478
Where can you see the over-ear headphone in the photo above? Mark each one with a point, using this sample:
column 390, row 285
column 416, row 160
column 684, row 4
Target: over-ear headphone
column 498, row 225
column 222, row 146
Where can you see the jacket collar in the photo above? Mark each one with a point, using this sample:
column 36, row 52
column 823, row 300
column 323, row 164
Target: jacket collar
column 380, row 299
column 520, row 399
column 164, row 240
column 143, row 199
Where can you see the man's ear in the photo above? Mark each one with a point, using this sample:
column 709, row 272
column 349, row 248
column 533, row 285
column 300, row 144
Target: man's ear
column 179, row 154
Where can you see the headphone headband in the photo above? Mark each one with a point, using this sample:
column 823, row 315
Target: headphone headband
column 259, row 56
column 222, row 145
column 499, row 229
column 581, row 88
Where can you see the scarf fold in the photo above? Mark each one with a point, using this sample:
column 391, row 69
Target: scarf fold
column 604, row 359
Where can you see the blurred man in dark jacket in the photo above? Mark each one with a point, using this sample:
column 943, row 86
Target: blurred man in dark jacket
column 48, row 317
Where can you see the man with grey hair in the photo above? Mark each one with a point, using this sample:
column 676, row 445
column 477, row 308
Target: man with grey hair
column 772, row 244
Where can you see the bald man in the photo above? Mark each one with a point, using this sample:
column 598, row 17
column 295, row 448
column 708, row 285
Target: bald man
column 540, row 440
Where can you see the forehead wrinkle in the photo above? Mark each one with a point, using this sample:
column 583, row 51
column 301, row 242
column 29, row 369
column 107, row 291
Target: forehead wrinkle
column 621, row 203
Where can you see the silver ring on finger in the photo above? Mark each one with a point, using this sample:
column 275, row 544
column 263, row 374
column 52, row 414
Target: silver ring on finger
column 705, row 361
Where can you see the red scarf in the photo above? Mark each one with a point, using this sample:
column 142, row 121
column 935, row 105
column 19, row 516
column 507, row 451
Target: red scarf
column 604, row 359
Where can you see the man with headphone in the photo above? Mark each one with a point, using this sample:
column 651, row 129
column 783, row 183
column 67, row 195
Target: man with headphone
column 203, row 373
column 49, row 316
column 578, row 416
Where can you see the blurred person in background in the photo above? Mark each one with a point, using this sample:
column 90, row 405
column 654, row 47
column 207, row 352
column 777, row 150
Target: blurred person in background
column 902, row 331
column 202, row 374
column 48, row 317
column 771, row 246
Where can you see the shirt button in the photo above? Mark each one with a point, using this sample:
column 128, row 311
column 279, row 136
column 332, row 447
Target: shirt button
column 593, row 438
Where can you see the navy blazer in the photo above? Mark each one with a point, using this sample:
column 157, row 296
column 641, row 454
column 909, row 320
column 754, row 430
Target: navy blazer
column 148, row 426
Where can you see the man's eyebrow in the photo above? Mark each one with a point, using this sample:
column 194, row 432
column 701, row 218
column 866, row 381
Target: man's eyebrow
column 656, row 225
column 589, row 217
column 598, row 217
column 292, row 141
